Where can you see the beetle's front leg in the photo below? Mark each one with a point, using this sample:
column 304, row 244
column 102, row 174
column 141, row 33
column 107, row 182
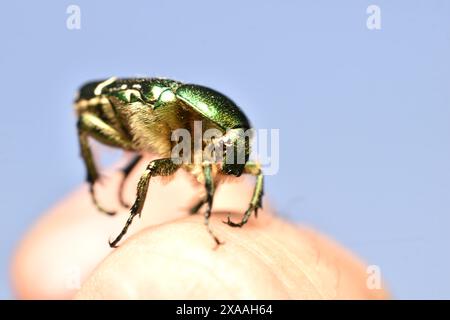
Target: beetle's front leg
column 90, row 125
column 209, row 185
column 159, row 167
column 256, row 201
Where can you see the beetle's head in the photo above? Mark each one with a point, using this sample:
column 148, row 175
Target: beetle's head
column 237, row 151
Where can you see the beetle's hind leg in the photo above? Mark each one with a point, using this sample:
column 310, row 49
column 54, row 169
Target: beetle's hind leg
column 126, row 171
column 256, row 201
column 90, row 125
column 159, row 167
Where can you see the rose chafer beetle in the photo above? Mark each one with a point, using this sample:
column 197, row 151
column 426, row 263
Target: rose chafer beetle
column 140, row 114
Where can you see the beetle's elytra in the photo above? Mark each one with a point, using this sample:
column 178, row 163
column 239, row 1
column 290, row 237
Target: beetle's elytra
column 140, row 114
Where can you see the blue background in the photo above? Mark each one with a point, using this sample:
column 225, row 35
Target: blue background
column 363, row 114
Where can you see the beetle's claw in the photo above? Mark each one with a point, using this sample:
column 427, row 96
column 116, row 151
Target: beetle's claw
column 103, row 210
column 112, row 244
column 228, row 220
column 218, row 243
column 231, row 223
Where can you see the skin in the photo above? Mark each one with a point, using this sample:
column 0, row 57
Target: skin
column 168, row 254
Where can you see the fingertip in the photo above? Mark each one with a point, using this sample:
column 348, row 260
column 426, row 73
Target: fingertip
column 266, row 259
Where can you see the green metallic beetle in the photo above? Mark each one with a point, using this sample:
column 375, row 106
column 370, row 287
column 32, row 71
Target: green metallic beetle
column 140, row 114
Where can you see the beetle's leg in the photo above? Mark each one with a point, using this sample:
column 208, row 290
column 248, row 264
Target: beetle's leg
column 197, row 207
column 209, row 185
column 90, row 125
column 126, row 171
column 159, row 167
column 256, row 201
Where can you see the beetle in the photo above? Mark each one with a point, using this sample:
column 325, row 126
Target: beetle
column 139, row 115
